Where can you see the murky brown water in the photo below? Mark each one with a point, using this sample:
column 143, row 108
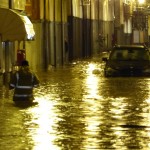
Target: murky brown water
column 79, row 109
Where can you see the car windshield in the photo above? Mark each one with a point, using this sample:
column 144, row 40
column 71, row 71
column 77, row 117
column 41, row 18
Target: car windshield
column 129, row 54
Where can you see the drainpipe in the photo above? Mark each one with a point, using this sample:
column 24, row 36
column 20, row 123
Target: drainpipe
column 62, row 56
column 54, row 37
column 10, row 4
column 1, row 54
column 83, row 39
column 2, row 72
column 6, row 62
column 45, row 38
column 90, row 52
column 70, row 34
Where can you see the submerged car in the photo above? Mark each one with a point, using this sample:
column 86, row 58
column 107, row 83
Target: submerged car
column 128, row 60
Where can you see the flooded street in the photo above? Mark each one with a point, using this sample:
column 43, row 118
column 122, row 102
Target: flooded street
column 79, row 109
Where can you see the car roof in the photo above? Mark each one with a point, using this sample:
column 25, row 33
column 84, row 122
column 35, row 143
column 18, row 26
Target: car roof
column 129, row 46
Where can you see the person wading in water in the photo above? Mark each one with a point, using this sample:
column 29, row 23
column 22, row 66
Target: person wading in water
column 23, row 81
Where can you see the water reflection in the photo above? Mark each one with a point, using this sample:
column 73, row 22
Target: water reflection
column 41, row 124
column 87, row 111
column 79, row 109
column 129, row 109
column 91, row 107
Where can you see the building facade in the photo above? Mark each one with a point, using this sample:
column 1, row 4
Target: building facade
column 88, row 26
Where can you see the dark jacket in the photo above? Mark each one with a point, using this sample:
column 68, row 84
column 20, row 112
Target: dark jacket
column 23, row 82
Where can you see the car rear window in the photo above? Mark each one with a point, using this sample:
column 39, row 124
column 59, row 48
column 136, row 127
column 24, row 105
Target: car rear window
column 129, row 54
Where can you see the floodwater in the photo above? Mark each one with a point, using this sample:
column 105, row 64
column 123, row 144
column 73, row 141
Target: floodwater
column 79, row 109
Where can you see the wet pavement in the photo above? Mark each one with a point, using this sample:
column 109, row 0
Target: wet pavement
column 79, row 109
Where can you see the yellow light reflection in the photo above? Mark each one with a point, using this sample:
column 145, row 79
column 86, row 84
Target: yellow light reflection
column 91, row 82
column 91, row 100
column 148, row 104
column 119, row 134
column 149, row 87
column 90, row 68
column 118, row 107
column 44, row 118
column 141, row 1
column 146, row 115
column 92, row 88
